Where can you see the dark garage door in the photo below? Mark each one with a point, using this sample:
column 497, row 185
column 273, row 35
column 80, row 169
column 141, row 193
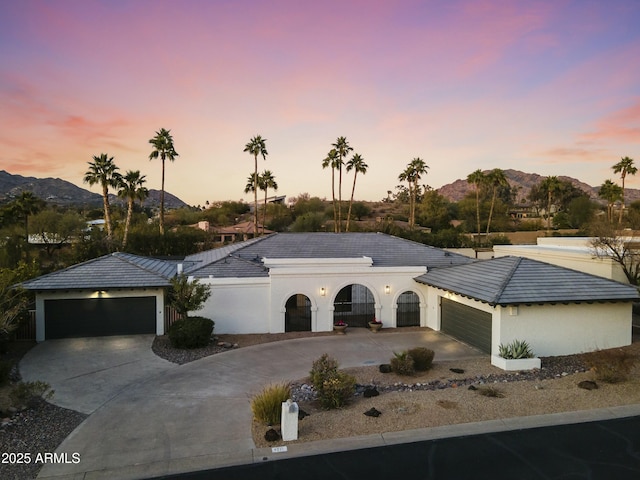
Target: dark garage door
column 97, row 317
column 468, row 324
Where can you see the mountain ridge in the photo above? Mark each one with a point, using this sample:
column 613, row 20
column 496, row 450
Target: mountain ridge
column 57, row 191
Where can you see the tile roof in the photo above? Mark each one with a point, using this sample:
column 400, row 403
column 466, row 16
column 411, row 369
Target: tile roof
column 384, row 250
column 117, row 270
column 515, row 280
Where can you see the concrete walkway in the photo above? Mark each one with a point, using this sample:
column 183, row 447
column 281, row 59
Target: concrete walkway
column 149, row 417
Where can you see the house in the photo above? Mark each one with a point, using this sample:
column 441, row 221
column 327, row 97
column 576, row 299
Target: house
column 233, row 233
column 309, row 281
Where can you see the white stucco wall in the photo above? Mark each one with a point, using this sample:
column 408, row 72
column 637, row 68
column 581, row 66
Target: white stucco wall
column 564, row 329
column 238, row 305
column 81, row 294
column 246, row 305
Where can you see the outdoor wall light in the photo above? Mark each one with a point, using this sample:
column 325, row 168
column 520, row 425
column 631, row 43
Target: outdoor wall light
column 387, row 289
column 323, row 291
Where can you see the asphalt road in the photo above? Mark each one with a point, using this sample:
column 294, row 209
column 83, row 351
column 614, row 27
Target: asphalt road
column 607, row 450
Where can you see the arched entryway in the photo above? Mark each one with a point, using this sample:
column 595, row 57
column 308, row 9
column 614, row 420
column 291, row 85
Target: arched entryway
column 297, row 315
column 354, row 305
column 408, row 311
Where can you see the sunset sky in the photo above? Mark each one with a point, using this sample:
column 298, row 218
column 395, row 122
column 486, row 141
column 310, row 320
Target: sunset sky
column 549, row 87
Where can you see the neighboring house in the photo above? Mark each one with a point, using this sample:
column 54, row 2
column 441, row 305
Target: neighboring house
column 570, row 252
column 233, row 233
column 309, row 281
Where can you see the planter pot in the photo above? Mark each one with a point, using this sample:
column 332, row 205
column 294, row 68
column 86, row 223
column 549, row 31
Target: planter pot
column 375, row 327
column 340, row 329
column 515, row 364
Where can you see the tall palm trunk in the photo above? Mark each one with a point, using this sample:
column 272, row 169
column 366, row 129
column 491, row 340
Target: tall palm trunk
column 333, row 194
column 340, row 197
column 127, row 223
column 622, row 204
column 162, row 199
column 107, row 211
column 478, row 211
column 255, row 196
column 264, row 211
column 353, row 191
column 493, row 201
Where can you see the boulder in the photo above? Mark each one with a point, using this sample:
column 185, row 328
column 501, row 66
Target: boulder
column 272, row 435
column 370, row 392
column 588, row 385
column 372, row 412
column 385, row 368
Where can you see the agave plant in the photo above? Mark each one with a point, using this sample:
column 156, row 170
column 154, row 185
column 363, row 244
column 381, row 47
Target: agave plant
column 515, row 350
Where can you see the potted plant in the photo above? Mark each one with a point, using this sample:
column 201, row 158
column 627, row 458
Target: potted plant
column 340, row 327
column 375, row 325
column 517, row 355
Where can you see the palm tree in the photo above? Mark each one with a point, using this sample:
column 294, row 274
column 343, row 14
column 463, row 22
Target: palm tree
column 343, row 148
column 478, row 179
column 358, row 166
column 131, row 188
column 163, row 148
column 105, row 172
column 331, row 160
column 266, row 181
column 256, row 146
column 623, row 167
column 610, row 192
column 551, row 185
column 495, row 179
column 412, row 175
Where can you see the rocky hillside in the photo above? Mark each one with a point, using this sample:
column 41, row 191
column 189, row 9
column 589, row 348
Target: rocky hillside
column 523, row 182
column 60, row 192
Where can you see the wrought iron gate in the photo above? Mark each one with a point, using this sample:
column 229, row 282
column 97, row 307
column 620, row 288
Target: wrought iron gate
column 354, row 305
column 297, row 316
column 408, row 312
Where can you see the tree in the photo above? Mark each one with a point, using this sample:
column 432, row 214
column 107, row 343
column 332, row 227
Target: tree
column 331, row 161
column 14, row 300
column 162, row 148
column 104, row 171
column 343, row 148
column 495, row 179
column 612, row 193
column 412, row 175
column 131, row 188
column 550, row 186
column 608, row 244
column 187, row 295
column 265, row 182
column 624, row 167
column 478, row 179
column 21, row 208
column 55, row 229
column 358, row 166
column 256, row 146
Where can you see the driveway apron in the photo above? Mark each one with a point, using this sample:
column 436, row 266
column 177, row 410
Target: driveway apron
column 198, row 416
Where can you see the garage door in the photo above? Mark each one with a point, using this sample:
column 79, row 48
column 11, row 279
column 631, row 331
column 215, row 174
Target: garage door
column 97, row 317
column 466, row 323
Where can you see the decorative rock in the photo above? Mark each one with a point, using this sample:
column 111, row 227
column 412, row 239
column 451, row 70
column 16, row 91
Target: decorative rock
column 471, row 387
column 385, row 368
column 456, row 370
column 235, row 345
column 272, row 435
column 588, row 385
column 302, row 414
column 372, row 412
column 370, row 392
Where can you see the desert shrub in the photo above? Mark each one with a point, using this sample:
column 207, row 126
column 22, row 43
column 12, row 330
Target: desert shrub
column 322, row 369
column 337, row 390
column 422, row 358
column 515, row 350
column 610, row 366
column 191, row 332
column 334, row 388
column 29, row 393
column 402, row 363
column 489, row 391
column 5, row 371
column 267, row 405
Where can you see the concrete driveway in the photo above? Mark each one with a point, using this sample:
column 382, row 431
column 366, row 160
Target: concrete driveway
column 154, row 418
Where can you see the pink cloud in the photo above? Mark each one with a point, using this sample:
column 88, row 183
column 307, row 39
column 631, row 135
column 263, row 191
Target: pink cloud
column 622, row 125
